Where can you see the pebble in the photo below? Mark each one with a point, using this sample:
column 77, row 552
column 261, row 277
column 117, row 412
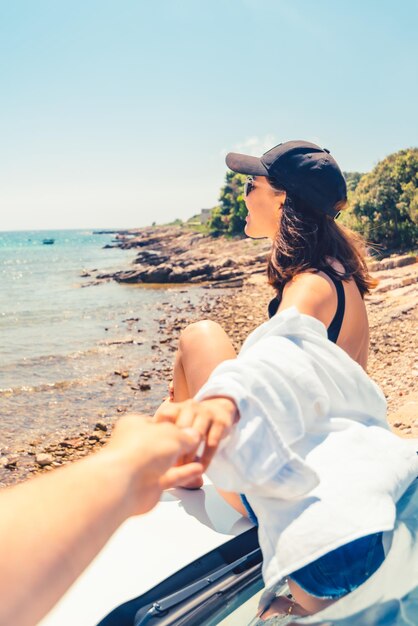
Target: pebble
column 44, row 459
column 122, row 373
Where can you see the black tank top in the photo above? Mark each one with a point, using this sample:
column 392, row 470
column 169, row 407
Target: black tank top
column 336, row 323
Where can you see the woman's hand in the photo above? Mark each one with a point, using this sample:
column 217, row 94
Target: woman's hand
column 212, row 418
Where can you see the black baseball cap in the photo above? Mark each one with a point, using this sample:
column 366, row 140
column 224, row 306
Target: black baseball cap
column 302, row 168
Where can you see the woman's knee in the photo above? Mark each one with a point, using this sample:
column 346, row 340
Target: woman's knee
column 199, row 331
column 203, row 346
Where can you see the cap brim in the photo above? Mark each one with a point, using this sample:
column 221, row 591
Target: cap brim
column 244, row 164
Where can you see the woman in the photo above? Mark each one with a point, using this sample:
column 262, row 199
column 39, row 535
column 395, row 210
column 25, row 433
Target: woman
column 293, row 194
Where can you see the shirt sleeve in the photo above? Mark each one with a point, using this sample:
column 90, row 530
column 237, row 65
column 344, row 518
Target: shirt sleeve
column 279, row 396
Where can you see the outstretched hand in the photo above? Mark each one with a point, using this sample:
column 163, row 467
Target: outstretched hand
column 212, row 419
column 149, row 451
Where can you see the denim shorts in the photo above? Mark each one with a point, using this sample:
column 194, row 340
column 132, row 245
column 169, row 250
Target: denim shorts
column 340, row 571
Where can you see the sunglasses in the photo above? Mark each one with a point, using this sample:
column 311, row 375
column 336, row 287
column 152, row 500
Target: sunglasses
column 249, row 185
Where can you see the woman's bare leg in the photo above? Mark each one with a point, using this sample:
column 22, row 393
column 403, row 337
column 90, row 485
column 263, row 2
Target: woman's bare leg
column 203, row 345
column 180, row 388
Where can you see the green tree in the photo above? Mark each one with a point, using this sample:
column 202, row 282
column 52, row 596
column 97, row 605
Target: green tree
column 228, row 217
column 385, row 201
column 352, row 179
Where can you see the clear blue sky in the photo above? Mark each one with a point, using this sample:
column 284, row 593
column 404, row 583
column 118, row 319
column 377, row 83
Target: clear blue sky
column 116, row 113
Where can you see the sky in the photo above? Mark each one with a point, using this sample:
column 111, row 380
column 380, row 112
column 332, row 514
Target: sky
column 116, row 114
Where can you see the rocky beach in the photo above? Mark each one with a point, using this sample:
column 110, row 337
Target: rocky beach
column 235, row 293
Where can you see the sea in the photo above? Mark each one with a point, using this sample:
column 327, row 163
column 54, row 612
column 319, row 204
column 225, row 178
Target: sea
column 61, row 340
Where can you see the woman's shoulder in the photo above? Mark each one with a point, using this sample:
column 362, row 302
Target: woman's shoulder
column 315, row 281
column 312, row 282
column 312, row 293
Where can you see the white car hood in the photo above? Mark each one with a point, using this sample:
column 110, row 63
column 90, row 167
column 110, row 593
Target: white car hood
column 147, row 549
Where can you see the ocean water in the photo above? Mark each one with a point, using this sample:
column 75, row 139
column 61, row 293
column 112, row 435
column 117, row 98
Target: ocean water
column 60, row 341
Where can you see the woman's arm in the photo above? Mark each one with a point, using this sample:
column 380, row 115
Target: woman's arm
column 52, row 526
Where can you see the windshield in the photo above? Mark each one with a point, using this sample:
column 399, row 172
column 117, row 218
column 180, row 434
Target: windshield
column 242, row 610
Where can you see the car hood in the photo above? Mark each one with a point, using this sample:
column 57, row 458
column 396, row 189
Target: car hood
column 147, row 549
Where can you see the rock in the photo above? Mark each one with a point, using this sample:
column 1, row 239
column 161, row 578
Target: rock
column 397, row 261
column 104, row 276
column 387, row 285
column 151, row 257
column 228, row 262
column 122, row 373
column 100, row 426
column 227, row 283
column 44, row 459
column 119, row 342
column 75, row 442
column 132, row 276
column 159, row 274
column 144, row 386
column 225, row 274
column 409, row 280
column 373, row 266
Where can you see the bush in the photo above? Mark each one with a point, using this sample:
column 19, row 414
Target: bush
column 385, row 201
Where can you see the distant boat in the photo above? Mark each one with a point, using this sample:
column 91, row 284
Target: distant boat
column 48, row 242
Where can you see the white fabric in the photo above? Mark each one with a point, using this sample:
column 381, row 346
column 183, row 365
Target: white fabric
column 312, row 450
column 390, row 595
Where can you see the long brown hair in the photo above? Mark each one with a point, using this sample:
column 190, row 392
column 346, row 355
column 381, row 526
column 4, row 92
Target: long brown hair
column 307, row 240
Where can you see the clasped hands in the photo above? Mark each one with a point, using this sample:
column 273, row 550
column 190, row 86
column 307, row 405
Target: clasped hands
column 212, row 418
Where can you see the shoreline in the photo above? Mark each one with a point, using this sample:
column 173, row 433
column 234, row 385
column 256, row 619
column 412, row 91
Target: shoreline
column 239, row 306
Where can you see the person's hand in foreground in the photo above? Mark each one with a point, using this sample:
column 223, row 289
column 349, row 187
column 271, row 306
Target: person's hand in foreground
column 149, row 453
column 53, row 525
column 212, row 418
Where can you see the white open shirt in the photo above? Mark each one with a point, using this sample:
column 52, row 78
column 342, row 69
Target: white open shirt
column 312, row 450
